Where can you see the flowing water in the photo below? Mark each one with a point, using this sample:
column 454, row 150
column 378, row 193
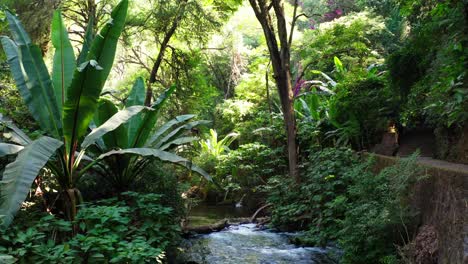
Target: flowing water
column 248, row 244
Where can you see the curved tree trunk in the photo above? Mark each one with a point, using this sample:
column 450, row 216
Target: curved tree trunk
column 164, row 44
column 279, row 48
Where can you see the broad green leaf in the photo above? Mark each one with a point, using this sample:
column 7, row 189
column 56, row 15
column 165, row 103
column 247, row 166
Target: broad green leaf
column 178, row 142
column 20, row 174
column 64, row 59
column 17, row 30
column 227, row 140
column 149, row 119
column 136, row 97
column 7, row 259
column 89, row 78
column 305, row 107
column 88, row 39
column 164, row 128
column 163, row 97
column 176, row 132
column 338, row 65
column 137, row 94
column 114, row 122
column 162, row 155
column 17, row 135
column 33, row 83
column 116, row 138
column 9, row 149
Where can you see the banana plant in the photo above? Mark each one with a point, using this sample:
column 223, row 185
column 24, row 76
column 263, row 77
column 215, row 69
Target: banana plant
column 214, row 147
column 129, row 149
column 62, row 104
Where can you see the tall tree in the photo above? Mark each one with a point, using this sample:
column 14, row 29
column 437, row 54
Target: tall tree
column 279, row 46
column 173, row 28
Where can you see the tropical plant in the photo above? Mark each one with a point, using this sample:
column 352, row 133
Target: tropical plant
column 62, row 105
column 338, row 108
column 139, row 136
column 214, row 148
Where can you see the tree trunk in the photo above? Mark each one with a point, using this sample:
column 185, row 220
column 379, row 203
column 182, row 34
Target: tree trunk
column 164, row 44
column 287, row 100
column 280, row 59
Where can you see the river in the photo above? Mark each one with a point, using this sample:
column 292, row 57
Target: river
column 249, row 244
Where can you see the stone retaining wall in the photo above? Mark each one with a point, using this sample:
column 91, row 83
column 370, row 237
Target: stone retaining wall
column 442, row 200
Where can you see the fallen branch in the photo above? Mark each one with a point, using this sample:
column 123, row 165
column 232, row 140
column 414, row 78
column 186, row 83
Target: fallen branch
column 254, row 216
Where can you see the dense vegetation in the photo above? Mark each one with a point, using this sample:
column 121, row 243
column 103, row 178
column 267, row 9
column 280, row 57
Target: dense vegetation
column 257, row 103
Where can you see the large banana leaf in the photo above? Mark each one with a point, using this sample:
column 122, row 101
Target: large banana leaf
column 114, row 122
column 116, row 138
column 137, row 94
column 136, row 97
column 162, row 155
column 89, row 78
column 164, row 128
column 64, row 59
column 149, row 120
column 163, row 97
column 16, row 134
column 176, row 132
column 17, row 30
column 88, row 39
column 178, row 142
column 32, row 77
column 19, row 175
column 9, row 149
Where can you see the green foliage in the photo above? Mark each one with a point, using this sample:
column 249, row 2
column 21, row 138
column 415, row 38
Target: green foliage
column 139, row 138
column 379, row 205
column 159, row 178
column 318, row 202
column 361, row 109
column 11, row 105
column 250, row 166
column 352, row 112
column 359, row 40
column 430, row 72
column 39, row 94
column 349, row 103
column 212, row 147
column 18, row 175
column 136, row 229
column 341, row 199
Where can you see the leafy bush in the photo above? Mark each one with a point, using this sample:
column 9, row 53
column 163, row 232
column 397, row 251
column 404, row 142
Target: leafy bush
column 341, row 200
column 135, row 229
column 158, row 178
column 251, row 165
column 364, row 104
column 429, row 72
column 359, row 40
column 378, row 214
column 316, row 201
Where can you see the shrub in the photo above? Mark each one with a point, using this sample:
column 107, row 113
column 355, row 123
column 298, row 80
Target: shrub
column 317, row 201
column 135, row 229
column 378, row 215
column 359, row 40
column 159, row 178
column 251, row 165
column 365, row 100
column 430, row 73
column 341, row 200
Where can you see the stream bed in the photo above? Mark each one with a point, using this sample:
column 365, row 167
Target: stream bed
column 247, row 244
